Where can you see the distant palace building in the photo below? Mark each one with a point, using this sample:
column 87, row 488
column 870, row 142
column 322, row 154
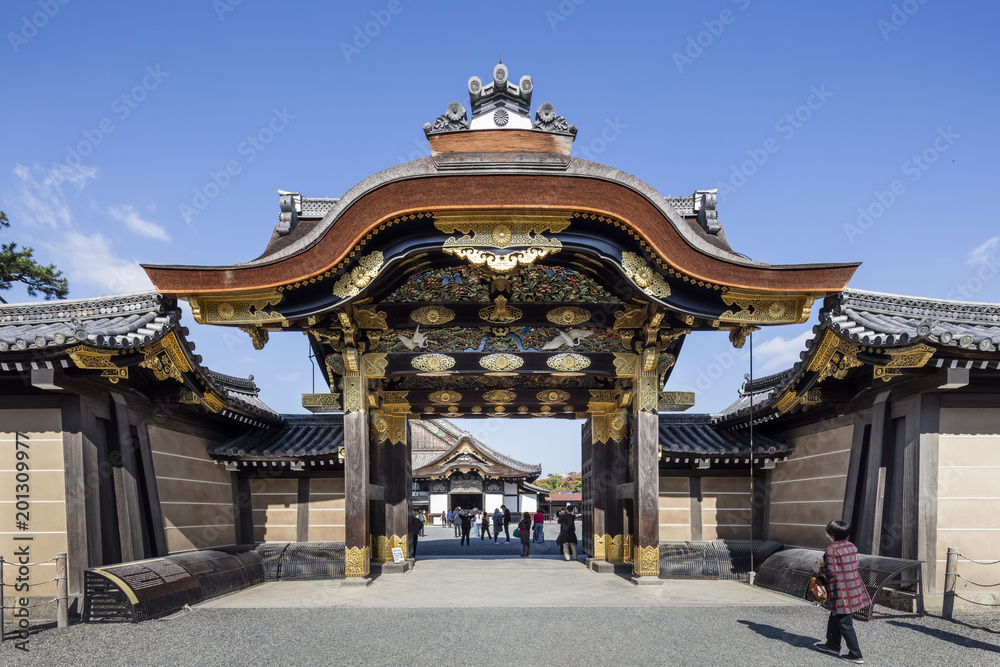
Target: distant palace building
column 500, row 277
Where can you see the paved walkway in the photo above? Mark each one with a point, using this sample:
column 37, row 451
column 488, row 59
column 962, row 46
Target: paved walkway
column 500, row 582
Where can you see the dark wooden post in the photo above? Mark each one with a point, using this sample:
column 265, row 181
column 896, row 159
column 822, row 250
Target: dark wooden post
column 645, row 461
column 866, row 535
column 357, row 549
column 609, row 465
column 127, row 500
column 391, row 437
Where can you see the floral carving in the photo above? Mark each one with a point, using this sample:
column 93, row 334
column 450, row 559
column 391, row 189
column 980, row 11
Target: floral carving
column 453, row 119
column 557, row 283
column 547, row 120
column 461, row 284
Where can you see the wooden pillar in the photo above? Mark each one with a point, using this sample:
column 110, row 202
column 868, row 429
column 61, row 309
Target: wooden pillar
column 129, row 506
column 78, row 538
column 645, row 465
column 302, row 511
column 390, row 439
column 927, row 511
column 357, row 549
column 609, row 437
column 157, row 531
column 697, row 518
column 242, row 507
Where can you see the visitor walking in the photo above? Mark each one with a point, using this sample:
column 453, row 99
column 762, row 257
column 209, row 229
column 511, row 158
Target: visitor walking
column 846, row 590
column 423, row 522
column 497, row 524
column 475, row 519
column 416, row 530
column 449, row 519
column 506, row 521
column 484, row 530
column 567, row 533
column 465, row 518
column 539, row 526
column 457, row 520
column 524, row 528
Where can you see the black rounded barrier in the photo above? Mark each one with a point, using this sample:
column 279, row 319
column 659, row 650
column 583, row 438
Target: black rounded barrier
column 892, row 583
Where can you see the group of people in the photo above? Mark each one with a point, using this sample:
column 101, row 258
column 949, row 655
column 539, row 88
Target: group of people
column 531, row 528
column 463, row 522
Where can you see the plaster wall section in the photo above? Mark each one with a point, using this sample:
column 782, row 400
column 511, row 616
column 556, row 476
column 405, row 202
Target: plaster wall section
column 968, row 494
column 326, row 509
column 36, row 477
column 807, row 490
column 196, row 496
column 675, row 509
column 725, row 508
column 275, row 508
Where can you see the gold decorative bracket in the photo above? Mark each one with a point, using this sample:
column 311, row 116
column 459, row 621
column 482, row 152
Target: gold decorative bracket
column 486, row 237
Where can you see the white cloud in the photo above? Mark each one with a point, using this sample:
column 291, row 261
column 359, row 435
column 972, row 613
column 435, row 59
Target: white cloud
column 779, row 353
column 135, row 222
column 985, row 252
column 86, row 259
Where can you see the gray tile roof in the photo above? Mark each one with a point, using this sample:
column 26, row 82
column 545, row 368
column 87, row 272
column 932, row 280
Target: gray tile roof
column 241, row 392
column 121, row 321
column 455, row 434
column 695, row 434
column 300, row 436
column 889, row 320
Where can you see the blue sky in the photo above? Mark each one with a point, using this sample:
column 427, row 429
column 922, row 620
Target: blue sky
column 850, row 131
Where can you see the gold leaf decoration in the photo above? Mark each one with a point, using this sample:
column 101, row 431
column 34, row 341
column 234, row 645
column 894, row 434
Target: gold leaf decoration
column 647, row 561
column 552, row 396
column 483, row 234
column 754, row 308
column 568, row 362
column 358, row 278
column 648, row 280
column 357, row 561
column 369, row 318
column 631, row 318
column 568, row 316
column 500, row 396
column 433, row 363
column 432, row 315
column 501, row 362
column 445, row 397
column 500, row 313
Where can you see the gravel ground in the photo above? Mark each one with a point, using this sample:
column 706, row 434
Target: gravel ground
column 679, row 636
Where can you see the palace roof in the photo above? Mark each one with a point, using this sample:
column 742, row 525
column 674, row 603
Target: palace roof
column 696, row 434
column 466, row 451
column 888, row 333
column 299, row 437
column 114, row 334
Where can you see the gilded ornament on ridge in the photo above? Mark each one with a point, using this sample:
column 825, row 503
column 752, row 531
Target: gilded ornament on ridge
column 352, row 282
column 648, row 280
column 432, row 315
column 433, row 363
column 568, row 316
column 552, row 396
column 445, row 397
column 500, row 396
column 500, row 312
column 568, row 362
column 501, row 362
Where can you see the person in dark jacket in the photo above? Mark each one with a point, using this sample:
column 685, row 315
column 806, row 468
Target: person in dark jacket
column 567, row 533
column 497, row 524
column 846, row 590
column 466, row 519
column 524, row 527
column 416, row 527
column 506, row 521
column 484, row 528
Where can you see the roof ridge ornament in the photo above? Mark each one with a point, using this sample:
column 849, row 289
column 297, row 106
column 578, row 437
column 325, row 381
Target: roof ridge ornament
column 500, row 104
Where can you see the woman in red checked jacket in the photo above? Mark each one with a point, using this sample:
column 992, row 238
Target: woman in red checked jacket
column 846, row 590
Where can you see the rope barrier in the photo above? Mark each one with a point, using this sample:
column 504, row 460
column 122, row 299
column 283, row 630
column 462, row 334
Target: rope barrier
column 981, row 604
column 978, row 562
column 12, row 564
column 32, row 606
column 37, row 583
column 975, row 584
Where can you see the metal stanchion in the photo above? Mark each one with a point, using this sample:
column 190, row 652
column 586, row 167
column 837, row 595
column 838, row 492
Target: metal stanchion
column 2, row 610
column 62, row 598
column 950, row 581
